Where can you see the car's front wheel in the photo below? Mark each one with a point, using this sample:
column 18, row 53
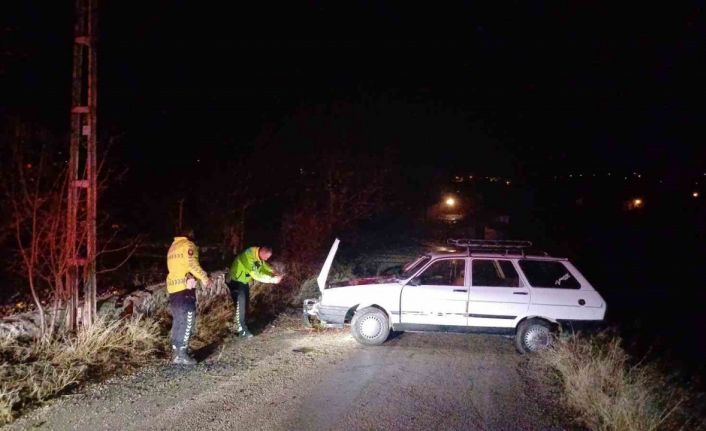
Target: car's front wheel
column 533, row 335
column 370, row 326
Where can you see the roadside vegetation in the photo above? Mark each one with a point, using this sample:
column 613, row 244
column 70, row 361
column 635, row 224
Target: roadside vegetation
column 607, row 391
column 35, row 370
column 57, row 354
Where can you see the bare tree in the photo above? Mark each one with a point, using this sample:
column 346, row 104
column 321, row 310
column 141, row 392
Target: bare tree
column 354, row 187
column 33, row 201
column 226, row 210
column 34, row 186
column 344, row 190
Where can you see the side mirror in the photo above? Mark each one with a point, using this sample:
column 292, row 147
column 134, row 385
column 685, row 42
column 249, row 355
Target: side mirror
column 414, row 282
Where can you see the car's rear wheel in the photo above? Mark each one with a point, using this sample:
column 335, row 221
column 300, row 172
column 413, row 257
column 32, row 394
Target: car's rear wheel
column 534, row 335
column 370, row 326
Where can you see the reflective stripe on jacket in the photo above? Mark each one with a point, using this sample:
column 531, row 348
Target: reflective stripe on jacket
column 248, row 266
column 183, row 259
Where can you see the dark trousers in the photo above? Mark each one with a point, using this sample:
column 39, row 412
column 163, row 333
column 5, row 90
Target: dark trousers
column 183, row 307
column 240, row 292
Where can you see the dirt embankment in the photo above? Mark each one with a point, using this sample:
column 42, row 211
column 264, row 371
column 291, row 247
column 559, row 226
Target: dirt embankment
column 291, row 378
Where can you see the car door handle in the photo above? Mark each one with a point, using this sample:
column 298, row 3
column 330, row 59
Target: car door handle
column 519, row 293
column 460, row 290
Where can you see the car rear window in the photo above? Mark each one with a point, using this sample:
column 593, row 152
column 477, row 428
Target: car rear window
column 548, row 274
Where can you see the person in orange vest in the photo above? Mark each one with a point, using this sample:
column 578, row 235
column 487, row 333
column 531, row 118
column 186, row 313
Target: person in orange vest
column 184, row 273
column 249, row 265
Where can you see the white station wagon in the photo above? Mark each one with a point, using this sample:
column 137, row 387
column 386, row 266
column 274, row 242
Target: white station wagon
column 479, row 286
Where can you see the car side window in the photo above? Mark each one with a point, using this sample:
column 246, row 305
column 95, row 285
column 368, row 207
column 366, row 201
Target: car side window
column 446, row 272
column 494, row 273
column 548, row 274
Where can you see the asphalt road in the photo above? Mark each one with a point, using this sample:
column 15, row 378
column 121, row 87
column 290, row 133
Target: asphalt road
column 290, row 378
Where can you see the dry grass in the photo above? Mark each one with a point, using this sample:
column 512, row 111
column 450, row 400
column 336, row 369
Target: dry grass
column 33, row 371
column 212, row 320
column 608, row 393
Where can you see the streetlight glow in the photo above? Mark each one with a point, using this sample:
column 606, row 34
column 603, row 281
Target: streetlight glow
column 450, row 201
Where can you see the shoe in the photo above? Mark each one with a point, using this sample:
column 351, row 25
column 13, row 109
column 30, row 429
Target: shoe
column 244, row 333
column 182, row 357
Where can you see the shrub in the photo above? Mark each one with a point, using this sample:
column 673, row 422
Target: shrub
column 34, row 370
column 212, row 318
column 607, row 392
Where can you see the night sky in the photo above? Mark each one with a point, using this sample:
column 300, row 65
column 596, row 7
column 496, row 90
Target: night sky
column 513, row 87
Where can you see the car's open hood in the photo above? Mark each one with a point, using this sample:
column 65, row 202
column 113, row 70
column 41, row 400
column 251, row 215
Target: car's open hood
column 323, row 275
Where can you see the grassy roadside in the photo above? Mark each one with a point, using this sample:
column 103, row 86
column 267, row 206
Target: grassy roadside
column 608, row 392
column 33, row 371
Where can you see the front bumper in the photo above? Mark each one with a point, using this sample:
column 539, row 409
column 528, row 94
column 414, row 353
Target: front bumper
column 311, row 307
column 332, row 316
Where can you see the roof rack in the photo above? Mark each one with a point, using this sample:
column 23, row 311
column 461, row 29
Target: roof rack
column 488, row 245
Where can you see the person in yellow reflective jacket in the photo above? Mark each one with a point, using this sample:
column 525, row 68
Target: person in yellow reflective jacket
column 249, row 265
column 184, row 272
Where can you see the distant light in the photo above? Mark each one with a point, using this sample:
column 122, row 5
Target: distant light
column 198, row 160
column 695, row 194
column 635, row 204
column 450, row 201
column 608, row 173
column 507, row 183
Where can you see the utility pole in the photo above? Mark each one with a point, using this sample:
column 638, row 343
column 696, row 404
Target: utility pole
column 83, row 184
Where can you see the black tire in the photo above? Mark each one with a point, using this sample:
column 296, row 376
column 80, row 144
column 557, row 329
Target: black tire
column 534, row 335
column 370, row 326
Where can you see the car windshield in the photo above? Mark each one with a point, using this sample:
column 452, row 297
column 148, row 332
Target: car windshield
column 409, row 269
